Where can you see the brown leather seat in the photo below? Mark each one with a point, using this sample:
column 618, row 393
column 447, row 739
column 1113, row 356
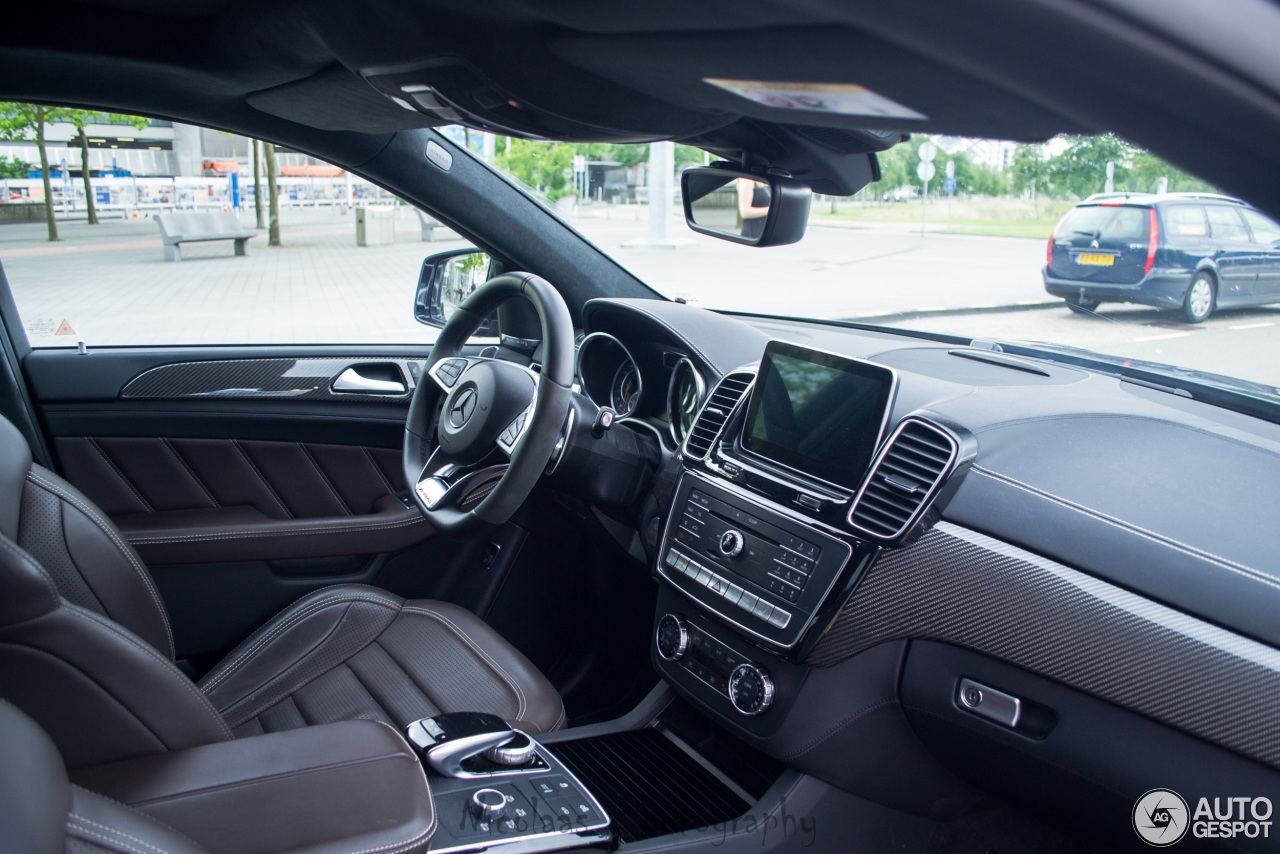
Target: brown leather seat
column 86, row 649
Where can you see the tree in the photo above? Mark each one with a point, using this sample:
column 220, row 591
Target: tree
column 19, row 121
column 257, row 182
column 1081, row 169
column 273, row 191
column 13, row 167
column 80, row 119
column 1030, row 171
column 1147, row 169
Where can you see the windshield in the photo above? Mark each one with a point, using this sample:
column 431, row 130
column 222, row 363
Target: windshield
column 1004, row 243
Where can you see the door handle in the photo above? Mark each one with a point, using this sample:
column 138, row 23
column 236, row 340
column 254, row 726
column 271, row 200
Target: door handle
column 351, row 381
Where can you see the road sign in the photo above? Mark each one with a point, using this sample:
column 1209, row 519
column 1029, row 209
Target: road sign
column 926, row 170
column 927, row 151
column 951, row 169
column 949, row 185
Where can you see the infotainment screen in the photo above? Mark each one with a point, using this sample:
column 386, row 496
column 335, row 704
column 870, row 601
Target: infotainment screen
column 817, row 413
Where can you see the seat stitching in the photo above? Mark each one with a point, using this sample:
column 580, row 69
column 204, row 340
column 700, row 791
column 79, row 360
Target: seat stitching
column 154, row 820
column 324, row 478
column 392, row 847
column 235, row 443
column 560, row 720
column 292, row 695
column 391, row 490
column 1248, row 572
column 71, row 826
column 146, row 648
column 116, row 831
column 190, row 471
column 310, row 608
column 93, row 443
column 520, row 698
column 20, row 554
column 313, row 530
column 124, row 548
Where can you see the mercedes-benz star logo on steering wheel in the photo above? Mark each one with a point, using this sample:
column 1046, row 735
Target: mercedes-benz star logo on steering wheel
column 462, row 408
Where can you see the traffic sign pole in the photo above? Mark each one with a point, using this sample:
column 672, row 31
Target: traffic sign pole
column 925, row 172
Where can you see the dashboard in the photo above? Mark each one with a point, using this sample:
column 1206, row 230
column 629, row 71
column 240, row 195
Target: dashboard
column 874, row 543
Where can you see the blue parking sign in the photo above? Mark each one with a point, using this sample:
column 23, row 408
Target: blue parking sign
column 949, row 186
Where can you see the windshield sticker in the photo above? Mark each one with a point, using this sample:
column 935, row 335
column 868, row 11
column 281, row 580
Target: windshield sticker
column 843, row 98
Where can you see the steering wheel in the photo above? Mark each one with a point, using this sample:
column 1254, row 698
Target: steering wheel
column 454, row 453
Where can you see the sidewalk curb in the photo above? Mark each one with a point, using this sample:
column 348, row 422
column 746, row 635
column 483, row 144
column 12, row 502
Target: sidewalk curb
column 956, row 312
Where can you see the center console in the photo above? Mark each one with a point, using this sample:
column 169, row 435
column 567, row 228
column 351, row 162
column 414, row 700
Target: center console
column 494, row 787
column 792, row 480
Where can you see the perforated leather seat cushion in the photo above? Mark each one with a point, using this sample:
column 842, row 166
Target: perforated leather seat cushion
column 354, row 652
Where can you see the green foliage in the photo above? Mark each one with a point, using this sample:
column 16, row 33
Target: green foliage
column 547, row 167
column 13, row 167
column 1081, row 169
column 898, row 168
column 1146, row 169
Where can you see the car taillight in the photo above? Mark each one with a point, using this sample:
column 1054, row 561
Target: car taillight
column 1153, row 238
column 1048, row 250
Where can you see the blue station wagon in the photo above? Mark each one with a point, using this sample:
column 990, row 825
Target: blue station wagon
column 1194, row 252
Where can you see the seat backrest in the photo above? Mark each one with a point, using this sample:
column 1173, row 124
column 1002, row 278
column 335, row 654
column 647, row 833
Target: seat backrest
column 99, row 691
column 81, row 549
column 42, row 813
column 169, row 224
column 225, row 223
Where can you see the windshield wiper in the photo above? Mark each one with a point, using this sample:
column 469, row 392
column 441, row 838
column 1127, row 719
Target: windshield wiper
column 1249, row 398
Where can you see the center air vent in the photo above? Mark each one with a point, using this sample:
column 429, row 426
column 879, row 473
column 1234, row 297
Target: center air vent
column 710, row 420
column 904, row 477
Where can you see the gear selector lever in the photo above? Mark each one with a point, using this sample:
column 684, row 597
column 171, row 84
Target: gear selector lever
column 447, row 740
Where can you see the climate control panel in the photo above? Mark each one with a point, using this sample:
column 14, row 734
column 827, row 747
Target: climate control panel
column 745, row 683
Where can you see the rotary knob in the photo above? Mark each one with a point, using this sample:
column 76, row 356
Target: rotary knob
column 518, row 751
column 750, row 689
column 731, row 543
column 672, row 637
column 488, row 804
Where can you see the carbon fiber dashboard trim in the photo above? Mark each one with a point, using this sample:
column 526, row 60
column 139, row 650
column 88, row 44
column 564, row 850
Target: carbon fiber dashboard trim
column 293, row 379
column 965, row 588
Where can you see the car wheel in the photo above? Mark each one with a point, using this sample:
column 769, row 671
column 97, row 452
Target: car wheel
column 1083, row 304
column 1197, row 305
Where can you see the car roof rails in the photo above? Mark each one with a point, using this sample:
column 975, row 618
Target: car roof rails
column 1106, row 197
column 1215, row 197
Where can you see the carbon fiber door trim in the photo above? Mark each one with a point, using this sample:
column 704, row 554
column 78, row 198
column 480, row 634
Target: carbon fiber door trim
column 294, row 379
column 958, row 586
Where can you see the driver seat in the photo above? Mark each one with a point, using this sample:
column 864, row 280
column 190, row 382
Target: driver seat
column 86, row 649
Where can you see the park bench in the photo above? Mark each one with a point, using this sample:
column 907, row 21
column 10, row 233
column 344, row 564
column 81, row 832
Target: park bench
column 179, row 228
column 428, row 224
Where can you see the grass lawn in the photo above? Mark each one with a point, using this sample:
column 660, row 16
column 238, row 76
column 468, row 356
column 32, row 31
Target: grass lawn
column 996, row 217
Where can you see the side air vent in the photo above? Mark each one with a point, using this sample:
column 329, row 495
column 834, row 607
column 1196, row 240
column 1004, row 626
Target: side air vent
column 913, row 464
column 710, row 420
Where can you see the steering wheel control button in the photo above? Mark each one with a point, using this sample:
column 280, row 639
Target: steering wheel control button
column 731, row 543
column 672, row 637
column 997, row 706
column 488, row 804
column 750, row 689
column 448, row 371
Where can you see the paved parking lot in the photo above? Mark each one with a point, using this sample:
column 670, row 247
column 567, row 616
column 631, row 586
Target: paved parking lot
column 109, row 285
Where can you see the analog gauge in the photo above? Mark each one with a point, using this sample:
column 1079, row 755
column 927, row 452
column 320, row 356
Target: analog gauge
column 624, row 393
column 684, row 397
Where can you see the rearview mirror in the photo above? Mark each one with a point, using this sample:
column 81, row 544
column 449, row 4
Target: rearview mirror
column 745, row 207
column 445, row 280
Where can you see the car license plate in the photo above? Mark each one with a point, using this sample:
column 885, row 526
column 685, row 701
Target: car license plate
column 1095, row 259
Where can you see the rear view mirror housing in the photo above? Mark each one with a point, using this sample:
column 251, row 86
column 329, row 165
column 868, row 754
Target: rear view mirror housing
column 745, row 207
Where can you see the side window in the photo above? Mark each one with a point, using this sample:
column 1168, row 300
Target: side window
column 1225, row 223
column 184, row 251
column 1185, row 220
column 1264, row 230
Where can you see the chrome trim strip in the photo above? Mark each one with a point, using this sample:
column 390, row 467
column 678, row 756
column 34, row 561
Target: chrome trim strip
column 577, row 372
column 698, row 383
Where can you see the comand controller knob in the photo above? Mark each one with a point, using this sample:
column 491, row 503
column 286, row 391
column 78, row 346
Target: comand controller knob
column 672, row 637
column 731, row 543
column 750, row 689
column 514, row 753
column 488, row 804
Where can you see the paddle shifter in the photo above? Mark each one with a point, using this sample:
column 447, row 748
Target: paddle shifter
column 462, row 744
